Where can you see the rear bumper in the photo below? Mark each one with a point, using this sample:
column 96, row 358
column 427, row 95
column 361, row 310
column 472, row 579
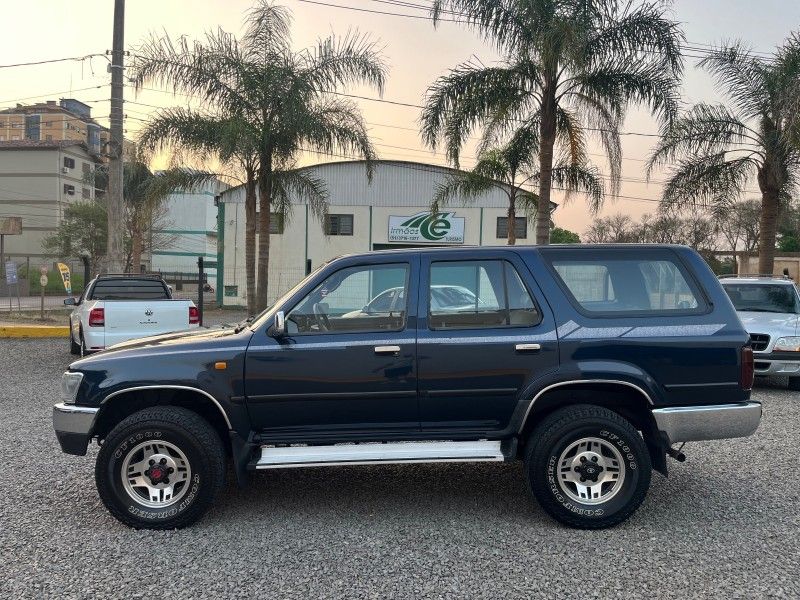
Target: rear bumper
column 711, row 422
column 776, row 363
column 73, row 425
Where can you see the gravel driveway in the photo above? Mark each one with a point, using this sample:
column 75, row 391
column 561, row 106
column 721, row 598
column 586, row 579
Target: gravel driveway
column 724, row 524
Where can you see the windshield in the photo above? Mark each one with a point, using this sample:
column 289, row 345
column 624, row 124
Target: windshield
column 762, row 297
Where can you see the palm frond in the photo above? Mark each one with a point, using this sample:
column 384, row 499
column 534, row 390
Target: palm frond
column 580, row 179
column 708, row 180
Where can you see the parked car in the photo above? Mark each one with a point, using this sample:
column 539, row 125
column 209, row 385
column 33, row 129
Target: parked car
column 769, row 308
column 588, row 363
column 118, row 308
column 450, row 297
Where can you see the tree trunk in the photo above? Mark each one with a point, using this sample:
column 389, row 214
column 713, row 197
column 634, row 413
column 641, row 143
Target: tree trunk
column 512, row 219
column 136, row 244
column 547, row 133
column 265, row 205
column 768, row 231
column 250, row 241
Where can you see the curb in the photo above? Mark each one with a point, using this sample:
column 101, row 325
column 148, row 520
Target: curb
column 33, row 331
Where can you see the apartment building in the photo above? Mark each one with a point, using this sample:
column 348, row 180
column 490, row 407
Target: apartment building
column 38, row 180
column 51, row 121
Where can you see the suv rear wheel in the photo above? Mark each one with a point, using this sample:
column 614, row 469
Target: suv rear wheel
column 587, row 466
column 160, row 468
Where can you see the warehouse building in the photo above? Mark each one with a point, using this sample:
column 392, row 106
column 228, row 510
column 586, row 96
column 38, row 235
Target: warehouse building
column 391, row 211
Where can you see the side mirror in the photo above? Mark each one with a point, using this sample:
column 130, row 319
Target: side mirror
column 70, row 302
column 279, row 327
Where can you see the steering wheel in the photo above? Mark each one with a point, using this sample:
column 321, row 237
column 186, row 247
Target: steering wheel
column 321, row 317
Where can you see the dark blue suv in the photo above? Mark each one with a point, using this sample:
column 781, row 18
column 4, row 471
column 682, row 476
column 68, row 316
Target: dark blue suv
column 586, row 362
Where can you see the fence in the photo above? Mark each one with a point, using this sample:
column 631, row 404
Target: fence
column 281, row 280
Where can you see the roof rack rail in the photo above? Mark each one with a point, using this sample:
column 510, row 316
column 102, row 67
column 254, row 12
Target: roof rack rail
column 139, row 275
column 753, row 276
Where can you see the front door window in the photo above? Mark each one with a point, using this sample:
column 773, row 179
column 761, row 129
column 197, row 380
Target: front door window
column 355, row 299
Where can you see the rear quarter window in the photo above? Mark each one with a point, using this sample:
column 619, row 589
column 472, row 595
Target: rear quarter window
column 612, row 282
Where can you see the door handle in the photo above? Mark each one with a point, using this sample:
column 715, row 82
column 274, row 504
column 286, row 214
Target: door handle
column 528, row 347
column 387, row 349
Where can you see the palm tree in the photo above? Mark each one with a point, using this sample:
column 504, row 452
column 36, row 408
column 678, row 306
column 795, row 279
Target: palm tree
column 719, row 149
column 286, row 102
column 570, row 68
column 508, row 168
column 205, row 138
column 144, row 192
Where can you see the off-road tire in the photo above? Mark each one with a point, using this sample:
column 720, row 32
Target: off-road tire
column 178, row 426
column 565, row 427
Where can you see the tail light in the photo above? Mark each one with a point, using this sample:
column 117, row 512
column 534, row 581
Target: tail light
column 747, row 373
column 194, row 316
column 97, row 317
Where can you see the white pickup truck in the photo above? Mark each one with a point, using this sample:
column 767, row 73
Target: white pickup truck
column 118, row 308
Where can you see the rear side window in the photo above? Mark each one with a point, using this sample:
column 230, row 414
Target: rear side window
column 650, row 281
column 129, row 289
column 479, row 295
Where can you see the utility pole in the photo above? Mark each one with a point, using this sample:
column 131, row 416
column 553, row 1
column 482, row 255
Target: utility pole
column 114, row 202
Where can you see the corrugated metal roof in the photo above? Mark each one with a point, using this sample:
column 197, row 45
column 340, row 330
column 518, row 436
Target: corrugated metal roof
column 394, row 183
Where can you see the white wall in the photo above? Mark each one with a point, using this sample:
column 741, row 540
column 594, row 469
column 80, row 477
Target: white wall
column 397, row 189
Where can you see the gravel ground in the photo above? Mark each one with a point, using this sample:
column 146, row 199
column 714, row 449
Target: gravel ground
column 722, row 525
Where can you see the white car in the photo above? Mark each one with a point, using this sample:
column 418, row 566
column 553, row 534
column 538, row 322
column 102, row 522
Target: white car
column 443, row 297
column 118, row 308
column 769, row 308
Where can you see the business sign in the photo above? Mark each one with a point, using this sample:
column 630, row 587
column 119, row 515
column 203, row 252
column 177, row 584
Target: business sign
column 10, row 225
column 64, row 270
column 11, row 273
column 427, row 228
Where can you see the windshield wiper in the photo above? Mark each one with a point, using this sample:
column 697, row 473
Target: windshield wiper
column 768, row 310
column 242, row 325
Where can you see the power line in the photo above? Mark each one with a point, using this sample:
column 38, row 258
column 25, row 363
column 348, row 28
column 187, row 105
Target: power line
column 52, row 60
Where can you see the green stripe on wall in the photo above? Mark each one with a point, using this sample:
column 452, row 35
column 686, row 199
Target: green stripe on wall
column 186, row 231
column 164, row 253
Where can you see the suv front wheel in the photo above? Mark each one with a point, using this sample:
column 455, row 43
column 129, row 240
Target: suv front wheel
column 160, row 468
column 587, row 466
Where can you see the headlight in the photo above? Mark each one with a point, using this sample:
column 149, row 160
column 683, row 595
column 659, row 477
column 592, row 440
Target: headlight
column 787, row 344
column 70, row 382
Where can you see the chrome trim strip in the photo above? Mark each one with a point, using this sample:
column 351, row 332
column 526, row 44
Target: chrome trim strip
column 708, row 422
column 581, row 381
column 171, row 387
column 68, row 418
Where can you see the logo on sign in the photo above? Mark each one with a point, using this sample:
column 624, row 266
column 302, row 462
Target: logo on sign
column 427, row 227
column 148, row 312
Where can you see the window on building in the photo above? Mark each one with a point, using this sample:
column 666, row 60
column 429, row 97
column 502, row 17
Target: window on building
column 365, row 298
column 87, row 169
column 339, row 224
column 69, row 190
column 276, row 223
column 69, row 162
column 14, row 138
column 520, row 227
column 479, row 295
column 48, row 138
column 86, row 193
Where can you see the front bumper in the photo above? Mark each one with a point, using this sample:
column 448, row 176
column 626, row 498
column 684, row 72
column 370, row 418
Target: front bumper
column 708, row 422
column 776, row 363
column 73, row 425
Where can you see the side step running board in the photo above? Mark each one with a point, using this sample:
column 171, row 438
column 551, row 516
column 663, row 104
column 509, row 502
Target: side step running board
column 377, row 453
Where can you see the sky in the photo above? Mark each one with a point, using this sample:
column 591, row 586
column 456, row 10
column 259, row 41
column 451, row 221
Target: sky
column 416, row 52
